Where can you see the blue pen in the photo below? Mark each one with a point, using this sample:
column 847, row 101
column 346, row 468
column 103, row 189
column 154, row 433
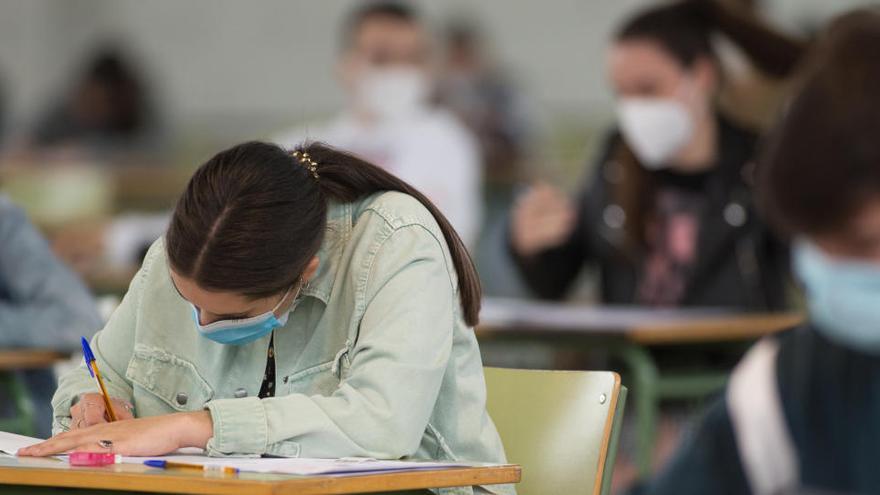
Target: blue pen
column 92, row 365
column 156, row 463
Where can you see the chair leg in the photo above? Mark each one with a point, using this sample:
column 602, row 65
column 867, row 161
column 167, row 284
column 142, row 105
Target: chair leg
column 22, row 421
column 646, row 378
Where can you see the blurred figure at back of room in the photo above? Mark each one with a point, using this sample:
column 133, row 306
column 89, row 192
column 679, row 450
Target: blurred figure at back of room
column 107, row 113
column 479, row 91
column 667, row 215
column 387, row 69
column 3, row 111
column 42, row 305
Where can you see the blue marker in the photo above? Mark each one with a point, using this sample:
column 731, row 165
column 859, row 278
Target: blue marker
column 156, row 463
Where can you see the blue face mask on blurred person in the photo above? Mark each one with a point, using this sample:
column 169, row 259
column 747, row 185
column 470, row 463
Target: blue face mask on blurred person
column 245, row 330
column 843, row 296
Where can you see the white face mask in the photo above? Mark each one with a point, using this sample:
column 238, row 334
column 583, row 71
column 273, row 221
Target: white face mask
column 655, row 128
column 393, row 93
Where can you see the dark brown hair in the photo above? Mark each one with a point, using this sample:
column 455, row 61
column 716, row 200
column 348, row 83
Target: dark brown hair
column 684, row 30
column 822, row 163
column 375, row 9
column 253, row 216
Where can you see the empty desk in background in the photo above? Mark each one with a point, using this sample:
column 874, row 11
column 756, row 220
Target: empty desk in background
column 626, row 332
column 12, row 360
column 16, row 473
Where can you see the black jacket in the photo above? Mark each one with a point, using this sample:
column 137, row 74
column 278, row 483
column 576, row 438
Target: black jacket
column 738, row 263
column 830, row 398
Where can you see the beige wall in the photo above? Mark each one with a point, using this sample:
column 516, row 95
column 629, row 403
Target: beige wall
column 241, row 66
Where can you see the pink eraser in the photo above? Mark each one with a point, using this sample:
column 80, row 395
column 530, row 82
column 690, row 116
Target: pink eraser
column 92, row 459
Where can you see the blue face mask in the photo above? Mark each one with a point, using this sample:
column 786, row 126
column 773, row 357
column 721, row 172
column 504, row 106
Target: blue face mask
column 245, row 330
column 843, row 296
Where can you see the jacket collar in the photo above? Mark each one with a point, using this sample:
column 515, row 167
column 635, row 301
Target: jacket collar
column 339, row 226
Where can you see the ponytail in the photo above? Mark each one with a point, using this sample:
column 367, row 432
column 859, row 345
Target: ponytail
column 685, row 30
column 774, row 53
column 345, row 178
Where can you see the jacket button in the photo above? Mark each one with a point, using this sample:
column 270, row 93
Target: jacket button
column 614, row 216
column 240, row 393
column 735, row 215
column 182, row 398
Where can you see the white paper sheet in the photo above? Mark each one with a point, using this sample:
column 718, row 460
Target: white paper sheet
column 301, row 466
column 578, row 318
column 10, row 443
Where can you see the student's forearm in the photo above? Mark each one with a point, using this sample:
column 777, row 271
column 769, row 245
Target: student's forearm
column 194, row 428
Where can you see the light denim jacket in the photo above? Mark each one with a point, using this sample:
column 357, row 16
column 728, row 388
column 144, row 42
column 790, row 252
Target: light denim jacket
column 375, row 361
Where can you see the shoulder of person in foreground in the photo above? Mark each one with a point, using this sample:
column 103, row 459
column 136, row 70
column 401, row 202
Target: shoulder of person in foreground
column 707, row 461
column 711, row 459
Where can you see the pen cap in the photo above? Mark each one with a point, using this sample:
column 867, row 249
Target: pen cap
column 87, row 354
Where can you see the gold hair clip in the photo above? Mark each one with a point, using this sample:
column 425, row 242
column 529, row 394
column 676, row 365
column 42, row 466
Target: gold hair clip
column 307, row 162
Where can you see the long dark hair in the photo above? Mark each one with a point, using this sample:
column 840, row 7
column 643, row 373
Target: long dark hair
column 253, row 216
column 822, row 163
column 684, row 30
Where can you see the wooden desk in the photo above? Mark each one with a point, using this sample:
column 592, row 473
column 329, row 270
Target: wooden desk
column 715, row 329
column 510, row 318
column 109, row 281
column 29, row 359
column 11, row 360
column 132, row 477
column 626, row 332
column 86, row 188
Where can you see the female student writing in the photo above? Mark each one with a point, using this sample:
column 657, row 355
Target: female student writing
column 668, row 215
column 800, row 413
column 302, row 303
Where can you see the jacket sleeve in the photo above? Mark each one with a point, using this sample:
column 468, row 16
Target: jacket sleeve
column 382, row 405
column 549, row 274
column 45, row 305
column 113, row 350
column 707, row 462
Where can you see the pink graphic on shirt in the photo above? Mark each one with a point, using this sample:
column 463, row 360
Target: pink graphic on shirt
column 671, row 248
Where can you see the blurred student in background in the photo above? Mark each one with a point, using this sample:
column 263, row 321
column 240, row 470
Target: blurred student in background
column 668, row 214
column 386, row 69
column 801, row 409
column 42, row 305
column 4, row 108
column 106, row 112
column 478, row 91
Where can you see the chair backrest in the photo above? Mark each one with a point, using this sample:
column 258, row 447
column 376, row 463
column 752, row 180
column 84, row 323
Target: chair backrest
column 557, row 425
